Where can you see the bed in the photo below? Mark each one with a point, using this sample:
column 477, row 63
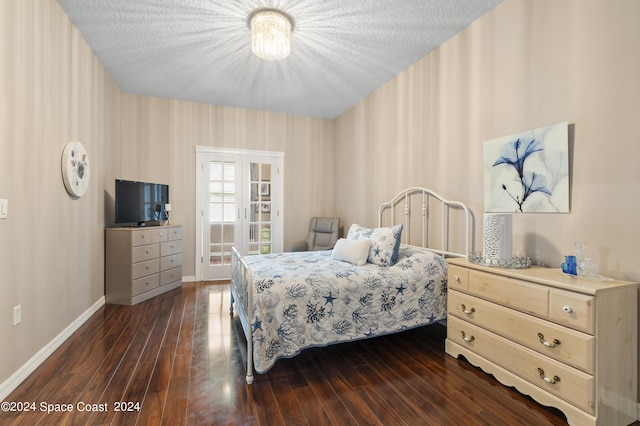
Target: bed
column 376, row 281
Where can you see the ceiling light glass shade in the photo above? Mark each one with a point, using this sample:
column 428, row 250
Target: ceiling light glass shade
column 270, row 35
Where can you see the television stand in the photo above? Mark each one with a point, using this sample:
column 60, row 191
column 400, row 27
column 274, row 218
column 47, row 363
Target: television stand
column 142, row 262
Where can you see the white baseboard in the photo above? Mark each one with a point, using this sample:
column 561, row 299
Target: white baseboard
column 189, row 279
column 638, row 411
column 23, row 372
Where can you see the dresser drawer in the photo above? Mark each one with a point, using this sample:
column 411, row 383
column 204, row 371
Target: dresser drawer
column 563, row 344
column 170, row 262
column 516, row 294
column 145, row 284
column 141, row 237
column 458, row 278
column 570, row 384
column 573, row 310
column 174, row 234
column 160, row 234
column 146, row 252
column 172, row 275
column 142, row 269
column 170, row 247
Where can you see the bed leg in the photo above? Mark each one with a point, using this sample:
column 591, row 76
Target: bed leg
column 231, row 305
column 250, row 358
column 250, row 355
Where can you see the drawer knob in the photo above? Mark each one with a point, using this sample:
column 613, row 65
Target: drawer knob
column 467, row 339
column 553, row 344
column 467, row 312
column 567, row 309
column 456, row 278
column 548, row 379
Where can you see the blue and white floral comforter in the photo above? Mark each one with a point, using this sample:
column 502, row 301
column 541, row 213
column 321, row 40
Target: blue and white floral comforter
column 307, row 299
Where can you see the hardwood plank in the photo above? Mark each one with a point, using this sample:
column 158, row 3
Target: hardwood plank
column 421, row 406
column 288, row 404
column 313, row 412
column 356, row 406
column 176, row 402
column 182, row 356
column 385, row 414
column 326, row 396
column 156, row 393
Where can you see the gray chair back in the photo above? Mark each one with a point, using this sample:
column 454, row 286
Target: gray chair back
column 323, row 234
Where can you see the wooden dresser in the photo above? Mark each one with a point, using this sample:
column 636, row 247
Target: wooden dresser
column 568, row 342
column 142, row 262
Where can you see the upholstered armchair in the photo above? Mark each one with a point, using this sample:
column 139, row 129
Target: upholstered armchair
column 322, row 235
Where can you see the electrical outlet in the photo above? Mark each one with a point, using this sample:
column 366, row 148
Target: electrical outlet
column 17, row 315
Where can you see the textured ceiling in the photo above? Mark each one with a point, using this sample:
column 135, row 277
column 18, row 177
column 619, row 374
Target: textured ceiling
column 200, row 50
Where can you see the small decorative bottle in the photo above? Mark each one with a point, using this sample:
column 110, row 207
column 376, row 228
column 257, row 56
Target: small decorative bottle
column 569, row 265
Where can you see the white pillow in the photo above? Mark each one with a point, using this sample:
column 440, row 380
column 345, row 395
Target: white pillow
column 351, row 251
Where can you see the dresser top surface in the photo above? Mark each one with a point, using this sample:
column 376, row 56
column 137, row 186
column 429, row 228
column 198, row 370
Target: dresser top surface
column 548, row 276
column 142, row 228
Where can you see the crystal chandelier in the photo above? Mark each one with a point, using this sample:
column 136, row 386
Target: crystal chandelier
column 270, row 34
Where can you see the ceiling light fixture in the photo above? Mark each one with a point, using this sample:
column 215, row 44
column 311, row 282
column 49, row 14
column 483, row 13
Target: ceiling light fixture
column 270, row 34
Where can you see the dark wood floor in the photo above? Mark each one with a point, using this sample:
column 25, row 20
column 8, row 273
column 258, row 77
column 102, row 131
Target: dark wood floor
column 176, row 359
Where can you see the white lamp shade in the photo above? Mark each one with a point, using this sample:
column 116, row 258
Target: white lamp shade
column 496, row 236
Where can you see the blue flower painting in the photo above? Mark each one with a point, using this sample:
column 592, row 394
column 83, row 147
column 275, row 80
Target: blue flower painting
column 528, row 172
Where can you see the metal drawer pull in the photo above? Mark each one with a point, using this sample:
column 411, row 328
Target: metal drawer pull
column 467, row 339
column 464, row 310
column 547, row 379
column 553, row 344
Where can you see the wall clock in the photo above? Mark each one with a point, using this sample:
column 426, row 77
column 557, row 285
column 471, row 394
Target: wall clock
column 75, row 169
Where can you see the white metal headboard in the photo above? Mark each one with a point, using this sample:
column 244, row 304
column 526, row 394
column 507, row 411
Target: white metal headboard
column 405, row 202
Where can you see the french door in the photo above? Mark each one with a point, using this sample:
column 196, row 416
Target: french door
column 239, row 204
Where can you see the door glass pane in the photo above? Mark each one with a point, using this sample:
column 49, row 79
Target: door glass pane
column 222, row 211
column 254, row 232
column 260, row 208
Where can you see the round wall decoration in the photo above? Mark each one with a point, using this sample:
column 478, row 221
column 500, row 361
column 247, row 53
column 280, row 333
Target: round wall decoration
column 75, row 169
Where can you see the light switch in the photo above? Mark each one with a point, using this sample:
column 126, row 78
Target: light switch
column 4, row 208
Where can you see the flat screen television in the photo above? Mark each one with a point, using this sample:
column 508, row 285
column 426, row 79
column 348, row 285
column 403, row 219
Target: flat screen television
column 140, row 202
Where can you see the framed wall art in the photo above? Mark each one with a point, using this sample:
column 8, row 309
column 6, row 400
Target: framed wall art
column 528, row 171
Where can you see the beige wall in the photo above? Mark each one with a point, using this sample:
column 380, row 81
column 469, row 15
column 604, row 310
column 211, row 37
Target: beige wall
column 52, row 90
column 159, row 139
column 524, row 65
